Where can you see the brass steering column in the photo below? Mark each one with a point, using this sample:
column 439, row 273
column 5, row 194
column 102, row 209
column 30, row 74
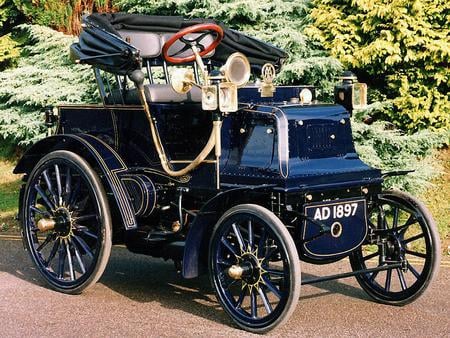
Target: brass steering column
column 214, row 141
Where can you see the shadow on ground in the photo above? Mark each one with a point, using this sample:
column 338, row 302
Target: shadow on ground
column 143, row 279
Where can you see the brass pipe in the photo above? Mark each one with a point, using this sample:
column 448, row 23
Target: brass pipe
column 212, row 142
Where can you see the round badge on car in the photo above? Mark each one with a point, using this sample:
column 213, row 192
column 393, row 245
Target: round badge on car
column 336, row 229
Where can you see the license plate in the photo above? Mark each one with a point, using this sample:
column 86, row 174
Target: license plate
column 330, row 211
column 347, row 221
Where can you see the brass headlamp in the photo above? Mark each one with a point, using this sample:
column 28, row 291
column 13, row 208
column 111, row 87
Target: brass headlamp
column 218, row 90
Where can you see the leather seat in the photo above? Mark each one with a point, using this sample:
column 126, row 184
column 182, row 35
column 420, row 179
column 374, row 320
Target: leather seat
column 154, row 93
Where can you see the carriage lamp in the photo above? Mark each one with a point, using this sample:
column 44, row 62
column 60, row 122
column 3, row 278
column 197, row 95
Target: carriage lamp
column 306, row 96
column 51, row 116
column 350, row 93
column 228, row 101
column 209, row 98
column 220, row 86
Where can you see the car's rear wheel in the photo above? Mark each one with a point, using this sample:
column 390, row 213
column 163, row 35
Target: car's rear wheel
column 408, row 235
column 66, row 222
column 254, row 268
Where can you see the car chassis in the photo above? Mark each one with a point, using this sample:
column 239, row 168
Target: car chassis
column 275, row 180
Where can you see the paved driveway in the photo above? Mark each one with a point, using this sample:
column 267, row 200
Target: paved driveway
column 142, row 296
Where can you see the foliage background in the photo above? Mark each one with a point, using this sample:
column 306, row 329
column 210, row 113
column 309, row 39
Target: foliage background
column 399, row 47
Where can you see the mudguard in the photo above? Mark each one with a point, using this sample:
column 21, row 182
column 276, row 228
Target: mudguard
column 95, row 151
column 197, row 241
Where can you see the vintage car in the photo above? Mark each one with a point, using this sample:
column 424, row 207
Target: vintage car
column 197, row 156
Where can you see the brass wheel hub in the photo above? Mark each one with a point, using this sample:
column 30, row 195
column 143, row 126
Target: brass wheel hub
column 61, row 222
column 248, row 269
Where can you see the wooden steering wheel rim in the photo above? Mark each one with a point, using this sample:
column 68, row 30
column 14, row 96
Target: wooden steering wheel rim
column 188, row 30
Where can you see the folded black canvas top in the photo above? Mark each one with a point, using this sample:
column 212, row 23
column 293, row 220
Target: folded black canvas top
column 101, row 45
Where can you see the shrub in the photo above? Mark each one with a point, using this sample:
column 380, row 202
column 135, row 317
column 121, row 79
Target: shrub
column 44, row 76
column 401, row 47
column 63, row 15
column 9, row 14
column 383, row 146
column 9, row 51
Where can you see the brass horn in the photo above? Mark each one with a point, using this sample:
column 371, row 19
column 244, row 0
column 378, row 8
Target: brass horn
column 182, row 80
column 237, row 69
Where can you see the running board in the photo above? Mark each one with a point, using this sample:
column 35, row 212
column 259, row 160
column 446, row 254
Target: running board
column 351, row 274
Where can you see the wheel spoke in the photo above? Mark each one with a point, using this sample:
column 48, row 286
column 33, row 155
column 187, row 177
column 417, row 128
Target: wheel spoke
column 387, row 285
column 411, row 220
column 414, row 253
column 253, row 303
column 39, row 211
column 69, row 259
column 50, row 206
column 74, row 195
column 239, row 237
column 414, row 238
column 271, row 287
column 61, row 260
column 371, row 256
column 78, row 257
column 45, row 242
column 262, row 242
column 241, row 298
column 49, row 186
column 230, row 284
column 413, row 270
column 401, row 277
column 229, row 246
column 275, row 272
column 84, row 230
column 250, row 233
column 382, row 217
column 85, row 217
column 68, row 185
column 223, row 262
column 266, row 302
column 83, row 245
column 373, row 276
column 270, row 252
column 395, row 218
column 58, row 184
column 52, row 253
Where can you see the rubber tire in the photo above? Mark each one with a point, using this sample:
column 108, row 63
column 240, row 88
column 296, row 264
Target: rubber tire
column 100, row 195
column 435, row 247
column 295, row 277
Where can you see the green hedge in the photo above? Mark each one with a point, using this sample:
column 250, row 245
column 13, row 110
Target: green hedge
column 43, row 76
column 400, row 47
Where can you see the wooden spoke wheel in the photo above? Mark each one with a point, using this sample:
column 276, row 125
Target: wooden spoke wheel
column 408, row 235
column 66, row 222
column 254, row 268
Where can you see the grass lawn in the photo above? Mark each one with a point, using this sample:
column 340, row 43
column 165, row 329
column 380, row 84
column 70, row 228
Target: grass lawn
column 437, row 200
column 9, row 195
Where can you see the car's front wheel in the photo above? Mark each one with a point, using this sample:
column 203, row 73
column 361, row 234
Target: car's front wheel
column 254, row 268
column 66, row 222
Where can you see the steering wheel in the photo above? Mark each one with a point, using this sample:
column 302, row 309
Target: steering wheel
column 202, row 27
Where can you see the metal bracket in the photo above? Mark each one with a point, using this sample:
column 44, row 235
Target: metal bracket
column 396, row 173
column 351, row 274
